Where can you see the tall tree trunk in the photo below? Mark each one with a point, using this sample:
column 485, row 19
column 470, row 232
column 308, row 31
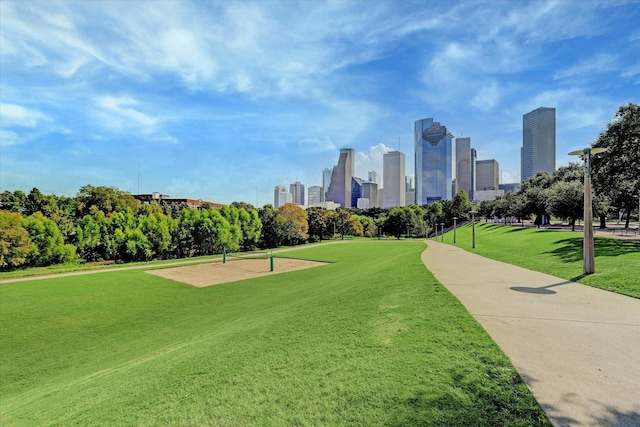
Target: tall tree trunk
column 603, row 221
column 573, row 224
column 626, row 224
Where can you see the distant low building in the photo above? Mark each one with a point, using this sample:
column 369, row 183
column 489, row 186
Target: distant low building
column 330, row 206
column 512, row 187
column 487, row 195
column 158, row 198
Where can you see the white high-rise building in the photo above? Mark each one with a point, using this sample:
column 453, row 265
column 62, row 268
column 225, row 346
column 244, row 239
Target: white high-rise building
column 393, row 176
column 281, row 196
column 374, row 177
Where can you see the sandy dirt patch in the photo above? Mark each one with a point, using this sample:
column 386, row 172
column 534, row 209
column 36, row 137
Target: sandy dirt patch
column 202, row 275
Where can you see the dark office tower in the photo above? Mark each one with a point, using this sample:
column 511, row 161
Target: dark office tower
column 433, row 163
column 463, row 165
column 297, row 193
column 340, row 186
column 474, row 159
column 538, row 151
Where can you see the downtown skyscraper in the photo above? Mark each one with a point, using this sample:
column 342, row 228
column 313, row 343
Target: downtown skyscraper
column 393, row 176
column 340, row 186
column 538, row 152
column 463, row 166
column 433, row 162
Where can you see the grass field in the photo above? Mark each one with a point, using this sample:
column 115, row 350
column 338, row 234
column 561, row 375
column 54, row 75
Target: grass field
column 558, row 253
column 371, row 339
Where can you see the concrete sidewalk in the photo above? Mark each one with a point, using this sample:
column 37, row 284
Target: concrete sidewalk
column 576, row 347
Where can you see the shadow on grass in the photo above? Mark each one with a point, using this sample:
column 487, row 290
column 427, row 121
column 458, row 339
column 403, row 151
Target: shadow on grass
column 570, row 250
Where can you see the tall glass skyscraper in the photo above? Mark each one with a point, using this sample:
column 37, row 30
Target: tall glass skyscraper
column 538, row 151
column 433, row 163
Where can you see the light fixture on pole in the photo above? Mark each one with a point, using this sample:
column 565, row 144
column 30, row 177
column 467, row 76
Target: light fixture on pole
column 473, row 229
column 587, row 242
column 455, row 219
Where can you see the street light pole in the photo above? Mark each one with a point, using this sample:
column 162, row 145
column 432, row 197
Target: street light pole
column 455, row 219
column 473, row 229
column 587, row 242
column 442, row 231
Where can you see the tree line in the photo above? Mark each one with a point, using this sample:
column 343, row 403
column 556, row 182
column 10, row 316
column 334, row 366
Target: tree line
column 105, row 223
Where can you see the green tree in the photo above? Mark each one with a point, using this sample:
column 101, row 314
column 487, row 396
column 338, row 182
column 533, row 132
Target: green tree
column 319, row 221
column 459, row 206
column 38, row 202
column 341, row 221
column 90, row 243
column 157, row 227
column 15, row 244
column 566, row 201
column 184, row 236
column 106, row 199
column 232, row 215
column 251, row 228
column 49, row 247
column 398, row 222
column 434, row 214
column 271, row 234
column 368, row 225
column 616, row 173
column 214, row 233
column 293, row 222
column 487, row 209
column 12, row 201
column 536, row 196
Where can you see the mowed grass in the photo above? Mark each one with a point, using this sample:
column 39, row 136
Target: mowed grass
column 371, row 339
column 559, row 253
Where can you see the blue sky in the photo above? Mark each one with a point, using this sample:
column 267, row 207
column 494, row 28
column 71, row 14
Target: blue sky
column 224, row 100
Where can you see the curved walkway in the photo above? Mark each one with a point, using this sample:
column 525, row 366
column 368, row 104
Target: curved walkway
column 576, row 347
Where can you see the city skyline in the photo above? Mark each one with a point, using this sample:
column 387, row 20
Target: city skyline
column 221, row 101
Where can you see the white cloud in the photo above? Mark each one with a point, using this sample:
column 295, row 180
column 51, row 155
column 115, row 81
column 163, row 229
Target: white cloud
column 316, row 145
column 8, row 138
column 371, row 161
column 487, row 98
column 600, row 63
column 16, row 115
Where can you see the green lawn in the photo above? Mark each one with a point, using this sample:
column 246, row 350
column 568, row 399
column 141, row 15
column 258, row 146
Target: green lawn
column 371, row 339
column 558, row 253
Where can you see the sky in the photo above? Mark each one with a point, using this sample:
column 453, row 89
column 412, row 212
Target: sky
column 224, row 100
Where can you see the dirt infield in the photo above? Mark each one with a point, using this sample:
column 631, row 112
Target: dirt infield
column 202, row 275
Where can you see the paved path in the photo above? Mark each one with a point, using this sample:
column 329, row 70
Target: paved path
column 576, row 347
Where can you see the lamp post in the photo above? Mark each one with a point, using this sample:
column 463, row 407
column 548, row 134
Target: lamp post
column 587, row 242
column 442, row 231
column 473, row 229
column 455, row 219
